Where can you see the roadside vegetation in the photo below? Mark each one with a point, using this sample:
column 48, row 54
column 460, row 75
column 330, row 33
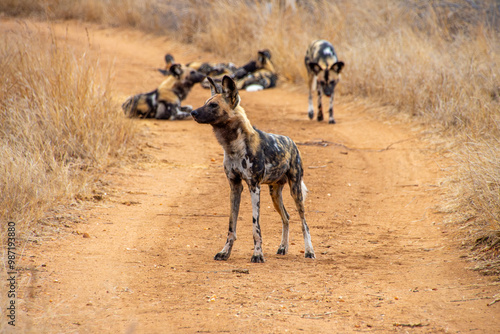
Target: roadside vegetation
column 436, row 61
column 60, row 126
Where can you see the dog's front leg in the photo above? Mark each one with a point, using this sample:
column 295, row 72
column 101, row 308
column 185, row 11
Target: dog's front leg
column 320, row 106
column 182, row 112
column 310, row 110
column 330, row 111
column 236, row 189
column 258, row 255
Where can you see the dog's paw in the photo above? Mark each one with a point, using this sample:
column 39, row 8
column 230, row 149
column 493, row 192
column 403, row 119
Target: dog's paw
column 320, row 117
column 310, row 114
column 221, row 256
column 258, row 259
column 309, row 255
column 332, row 121
column 186, row 108
column 282, row 250
column 205, row 84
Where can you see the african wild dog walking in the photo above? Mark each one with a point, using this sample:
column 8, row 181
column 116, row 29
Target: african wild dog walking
column 323, row 71
column 165, row 101
column 257, row 158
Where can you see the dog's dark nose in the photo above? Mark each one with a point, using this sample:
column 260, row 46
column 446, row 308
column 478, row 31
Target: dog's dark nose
column 194, row 113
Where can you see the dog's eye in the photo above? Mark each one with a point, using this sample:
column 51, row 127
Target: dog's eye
column 213, row 105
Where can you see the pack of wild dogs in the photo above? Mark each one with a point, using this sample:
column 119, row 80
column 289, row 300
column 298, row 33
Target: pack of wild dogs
column 250, row 155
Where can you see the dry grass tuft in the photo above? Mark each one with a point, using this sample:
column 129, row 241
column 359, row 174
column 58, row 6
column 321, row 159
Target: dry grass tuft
column 479, row 191
column 55, row 106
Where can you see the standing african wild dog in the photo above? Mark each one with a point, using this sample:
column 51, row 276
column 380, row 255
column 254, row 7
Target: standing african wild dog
column 257, row 158
column 165, row 101
column 323, row 71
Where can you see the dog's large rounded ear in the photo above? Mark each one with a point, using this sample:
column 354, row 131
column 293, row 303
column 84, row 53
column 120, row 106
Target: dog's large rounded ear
column 314, row 67
column 169, row 59
column 264, row 55
column 230, row 92
column 337, row 67
column 176, row 70
column 214, row 88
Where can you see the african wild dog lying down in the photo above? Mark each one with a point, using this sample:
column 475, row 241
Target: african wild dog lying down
column 323, row 71
column 213, row 69
column 208, row 69
column 255, row 75
column 257, row 158
column 165, row 101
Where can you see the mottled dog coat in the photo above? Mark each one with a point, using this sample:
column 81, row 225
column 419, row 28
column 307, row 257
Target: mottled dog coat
column 256, row 158
column 323, row 70
column 165, row 101
column 255, row 75
column 208, row 69
column 258, row 73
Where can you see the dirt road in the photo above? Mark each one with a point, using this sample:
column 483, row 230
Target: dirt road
column 143, row 260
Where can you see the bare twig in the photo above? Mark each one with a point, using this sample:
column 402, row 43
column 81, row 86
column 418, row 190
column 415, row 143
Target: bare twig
column 325, row 143
column 467, row 300
column 190, row 215
column 397, row 324
column 496, row 300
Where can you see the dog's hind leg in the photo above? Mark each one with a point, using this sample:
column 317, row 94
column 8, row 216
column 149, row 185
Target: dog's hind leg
column 296, row 190
column 258, row 255
column 276, row 195
column 236, row 189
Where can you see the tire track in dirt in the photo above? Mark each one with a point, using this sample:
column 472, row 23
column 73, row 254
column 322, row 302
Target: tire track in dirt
column 384, row 261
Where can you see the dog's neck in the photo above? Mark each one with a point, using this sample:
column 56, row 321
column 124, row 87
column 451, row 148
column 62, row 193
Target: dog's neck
column 182, row 89
column 236, row 136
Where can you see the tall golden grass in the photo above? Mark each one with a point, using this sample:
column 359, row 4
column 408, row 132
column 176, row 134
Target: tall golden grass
column 59, row 123
column 437, row 61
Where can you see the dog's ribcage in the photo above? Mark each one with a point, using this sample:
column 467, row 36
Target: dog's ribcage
column 273, row 160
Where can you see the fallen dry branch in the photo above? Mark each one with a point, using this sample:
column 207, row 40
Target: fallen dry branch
column 397, row 324
column 325, row 143
column 496, row 300
column 236, row 271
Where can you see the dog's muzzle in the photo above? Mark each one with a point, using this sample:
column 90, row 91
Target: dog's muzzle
column 204, row 116
column 196, row 114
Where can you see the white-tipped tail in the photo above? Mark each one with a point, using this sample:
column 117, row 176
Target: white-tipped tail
column 304, row 191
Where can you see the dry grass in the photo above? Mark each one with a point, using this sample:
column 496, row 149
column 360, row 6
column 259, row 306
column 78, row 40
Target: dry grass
column 55, row 105
column 479, row 190
column 437, row 61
